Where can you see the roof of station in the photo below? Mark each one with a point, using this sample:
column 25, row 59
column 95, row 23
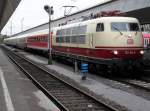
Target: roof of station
column 7, row 7
column 140, row 11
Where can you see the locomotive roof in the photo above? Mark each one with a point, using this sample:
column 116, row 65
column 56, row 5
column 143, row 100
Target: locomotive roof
column 118, row 19
column 101, row 19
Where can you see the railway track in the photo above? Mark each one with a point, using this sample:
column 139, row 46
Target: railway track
column 141, row 83
column 65, row 96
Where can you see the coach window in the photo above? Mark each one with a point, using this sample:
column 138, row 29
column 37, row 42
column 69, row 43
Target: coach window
column 41, row 38
column 100, row 27
column 57, row 39
column 61, row 39
column 58, row 32
column 45, row 38
column 36, row 39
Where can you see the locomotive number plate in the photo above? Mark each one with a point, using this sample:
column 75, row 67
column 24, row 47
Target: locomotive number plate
column 130, row 52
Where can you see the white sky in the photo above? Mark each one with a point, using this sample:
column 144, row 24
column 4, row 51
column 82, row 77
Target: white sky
column 32, row 13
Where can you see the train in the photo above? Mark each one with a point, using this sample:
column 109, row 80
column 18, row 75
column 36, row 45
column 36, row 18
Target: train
column 105, row 43
column 146, row 36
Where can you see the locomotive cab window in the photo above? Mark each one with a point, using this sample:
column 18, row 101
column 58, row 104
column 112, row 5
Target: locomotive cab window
column 124, row 26
column 100, row 27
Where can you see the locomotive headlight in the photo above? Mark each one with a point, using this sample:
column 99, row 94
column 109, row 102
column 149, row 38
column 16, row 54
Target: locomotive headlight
column 142, row 52
column 115, row 52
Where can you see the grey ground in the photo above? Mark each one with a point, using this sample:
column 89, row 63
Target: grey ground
column 24, row 95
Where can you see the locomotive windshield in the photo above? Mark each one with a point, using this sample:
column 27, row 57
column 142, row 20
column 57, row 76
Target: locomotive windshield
column 124, row 26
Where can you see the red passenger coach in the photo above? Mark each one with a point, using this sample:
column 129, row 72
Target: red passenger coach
column 146, row 37
column 38, row 42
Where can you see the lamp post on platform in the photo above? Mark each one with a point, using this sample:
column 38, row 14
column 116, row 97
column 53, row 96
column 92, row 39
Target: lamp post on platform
column 50, row 12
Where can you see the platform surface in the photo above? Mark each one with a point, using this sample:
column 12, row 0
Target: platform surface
column 17, row 92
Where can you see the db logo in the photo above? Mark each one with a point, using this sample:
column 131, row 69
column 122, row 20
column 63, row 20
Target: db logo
column 130, row 41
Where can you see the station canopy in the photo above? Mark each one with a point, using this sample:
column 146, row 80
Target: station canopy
column 7, row 7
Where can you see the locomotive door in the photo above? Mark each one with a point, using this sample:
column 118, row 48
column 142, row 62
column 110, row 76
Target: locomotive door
column 91, row 35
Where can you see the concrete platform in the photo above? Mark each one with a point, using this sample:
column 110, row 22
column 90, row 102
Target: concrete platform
column 17, row 92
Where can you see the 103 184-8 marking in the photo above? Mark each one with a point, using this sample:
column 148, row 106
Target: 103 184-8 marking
column 130, row 52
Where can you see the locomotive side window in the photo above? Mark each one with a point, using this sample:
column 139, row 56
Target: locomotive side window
column 73, row 39
column 68, row 31
column 100, row 27
column 134, row 27
column 74, row 35
column 67, row 40
column 57, row 39
column 82, row 29
column 81, row 39
column 75, row 30
column 67, row 37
